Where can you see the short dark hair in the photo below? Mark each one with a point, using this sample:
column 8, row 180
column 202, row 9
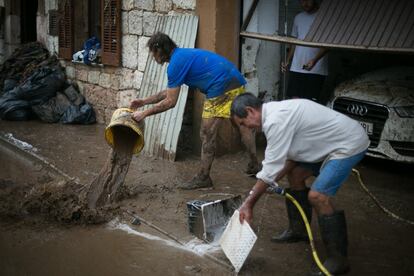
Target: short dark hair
column 239, row 104
column 162, row 44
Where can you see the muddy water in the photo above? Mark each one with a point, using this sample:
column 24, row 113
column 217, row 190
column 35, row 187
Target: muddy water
column 105, row 186
column 112, row 249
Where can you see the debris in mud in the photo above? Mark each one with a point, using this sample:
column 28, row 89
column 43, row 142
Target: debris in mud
column 104, row 188
column 62, row 202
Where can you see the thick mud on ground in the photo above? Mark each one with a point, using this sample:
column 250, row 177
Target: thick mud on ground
column 379, row 245
column 104, row 189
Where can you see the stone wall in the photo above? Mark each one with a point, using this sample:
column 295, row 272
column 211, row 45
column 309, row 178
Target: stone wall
column 106, row 87
column 2, row 42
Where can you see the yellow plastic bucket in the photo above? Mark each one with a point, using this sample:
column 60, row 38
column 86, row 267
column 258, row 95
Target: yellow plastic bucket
column 122, row 117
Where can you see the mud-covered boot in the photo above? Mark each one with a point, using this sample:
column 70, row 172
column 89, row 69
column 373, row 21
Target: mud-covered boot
column 297, row 229
column 199, row 181
column 335, row 239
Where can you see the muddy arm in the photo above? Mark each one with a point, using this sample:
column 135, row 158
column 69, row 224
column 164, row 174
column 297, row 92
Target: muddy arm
column 246, row 210
column 155, row 98
column 168, row 102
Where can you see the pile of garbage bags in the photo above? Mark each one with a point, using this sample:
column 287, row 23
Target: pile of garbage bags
column 33, row 85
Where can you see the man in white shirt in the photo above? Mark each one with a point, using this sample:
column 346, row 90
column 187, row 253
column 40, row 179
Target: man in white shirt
column 309, row 66
column 304, row 139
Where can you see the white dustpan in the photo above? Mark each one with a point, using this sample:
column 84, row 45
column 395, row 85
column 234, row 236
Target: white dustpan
column 237, row 241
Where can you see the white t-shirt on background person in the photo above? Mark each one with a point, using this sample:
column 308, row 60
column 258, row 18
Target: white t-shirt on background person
column 301, row 26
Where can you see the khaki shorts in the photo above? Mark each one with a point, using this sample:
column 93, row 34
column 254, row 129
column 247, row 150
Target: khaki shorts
column 219, row 107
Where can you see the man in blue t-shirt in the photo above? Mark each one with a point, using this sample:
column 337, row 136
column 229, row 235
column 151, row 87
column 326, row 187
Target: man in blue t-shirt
column 214, row 76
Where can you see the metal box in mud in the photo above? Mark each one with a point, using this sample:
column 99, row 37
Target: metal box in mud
column 208, row 216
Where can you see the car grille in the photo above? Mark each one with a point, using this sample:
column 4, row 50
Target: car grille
column 403, row 148
column 375, row 114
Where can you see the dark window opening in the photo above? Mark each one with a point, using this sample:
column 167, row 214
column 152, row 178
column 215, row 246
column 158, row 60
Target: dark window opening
column 87, row 21
column 2, row 19
column 28, row 31
column 80, row 20
column 94, row 18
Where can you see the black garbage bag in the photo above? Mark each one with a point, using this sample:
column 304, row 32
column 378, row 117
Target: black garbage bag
column 22, row 62
column 14, row 110
column 74, row 96
column 37, row 89
column 42, row 85
column 68, row 107
column 83, row 114
column 52, row 110
column 9, row 84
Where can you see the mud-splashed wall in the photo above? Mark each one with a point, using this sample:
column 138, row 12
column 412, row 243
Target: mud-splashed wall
column 107, row 87
column 261, row 59
column 9, row 27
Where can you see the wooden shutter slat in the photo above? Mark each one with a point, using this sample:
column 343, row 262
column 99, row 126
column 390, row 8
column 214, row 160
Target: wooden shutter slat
column 53, row 23
column 65, row 33
column 111, row 32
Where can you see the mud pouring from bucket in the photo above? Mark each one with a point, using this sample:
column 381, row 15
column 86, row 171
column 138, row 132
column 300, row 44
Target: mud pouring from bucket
column 126, row 137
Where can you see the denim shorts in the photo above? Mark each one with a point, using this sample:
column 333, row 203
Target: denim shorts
column 331, row 176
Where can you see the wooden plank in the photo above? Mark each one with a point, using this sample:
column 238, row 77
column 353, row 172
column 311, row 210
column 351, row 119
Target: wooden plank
column 384, row 22
column 358, row 16
column 368, row 25
column 318, row 20
column 295, row 41
column 340, row 17
column 327, row 17
column 361, row 22
column 349, row 17
column 111, row 32
column 409, row 25
column 396, row 15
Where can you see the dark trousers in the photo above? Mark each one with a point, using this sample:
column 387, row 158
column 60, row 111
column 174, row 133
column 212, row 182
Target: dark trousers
column 305, row 86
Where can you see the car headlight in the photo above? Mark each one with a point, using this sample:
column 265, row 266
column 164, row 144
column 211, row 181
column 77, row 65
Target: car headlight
column 405, row 111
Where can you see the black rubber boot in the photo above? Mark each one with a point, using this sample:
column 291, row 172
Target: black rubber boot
column 297, row 229
column 335, row 238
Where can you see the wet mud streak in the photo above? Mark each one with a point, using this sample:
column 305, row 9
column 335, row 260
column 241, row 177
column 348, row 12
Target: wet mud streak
column 103, row 189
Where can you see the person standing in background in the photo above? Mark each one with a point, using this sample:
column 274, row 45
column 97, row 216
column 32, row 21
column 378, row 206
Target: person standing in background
column 308, row 66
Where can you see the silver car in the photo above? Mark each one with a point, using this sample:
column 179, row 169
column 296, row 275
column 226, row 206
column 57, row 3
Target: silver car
column 383, row 102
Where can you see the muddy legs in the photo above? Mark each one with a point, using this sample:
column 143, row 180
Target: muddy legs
column 248, row 137
column 208, row 134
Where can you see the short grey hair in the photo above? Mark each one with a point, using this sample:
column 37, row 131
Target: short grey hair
column 239, row 104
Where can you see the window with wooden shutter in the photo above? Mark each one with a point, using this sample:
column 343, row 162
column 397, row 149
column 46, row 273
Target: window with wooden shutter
column 65, row 29
column 111, row 32
column 53, row 23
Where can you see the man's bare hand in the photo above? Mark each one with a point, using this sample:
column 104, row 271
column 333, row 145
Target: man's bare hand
column 138, row 116
column 136, row 103
column 246, row 214
column 308, row 66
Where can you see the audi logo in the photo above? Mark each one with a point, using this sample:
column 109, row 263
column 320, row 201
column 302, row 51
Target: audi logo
column 357, row 109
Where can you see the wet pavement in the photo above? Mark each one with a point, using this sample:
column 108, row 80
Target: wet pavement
column 95, row 250
column 379, row 245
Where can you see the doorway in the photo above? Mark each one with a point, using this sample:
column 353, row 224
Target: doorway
column 28, row 21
